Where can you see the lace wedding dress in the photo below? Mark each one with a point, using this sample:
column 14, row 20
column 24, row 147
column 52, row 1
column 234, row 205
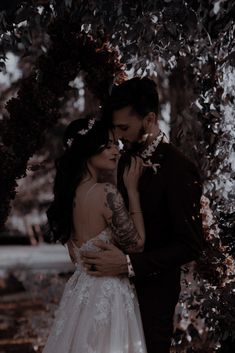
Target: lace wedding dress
column 96, row 314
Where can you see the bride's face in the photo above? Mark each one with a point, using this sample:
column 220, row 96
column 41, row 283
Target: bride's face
column 107, row 158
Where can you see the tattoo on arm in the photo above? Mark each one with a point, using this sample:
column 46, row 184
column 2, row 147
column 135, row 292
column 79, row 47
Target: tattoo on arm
column 122, row 225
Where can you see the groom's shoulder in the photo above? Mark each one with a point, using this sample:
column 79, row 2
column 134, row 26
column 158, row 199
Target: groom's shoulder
column 176, row 160
column 175, row 154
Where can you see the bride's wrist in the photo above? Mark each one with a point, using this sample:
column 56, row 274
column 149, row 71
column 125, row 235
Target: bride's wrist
column 135, row 212
column 132, row 192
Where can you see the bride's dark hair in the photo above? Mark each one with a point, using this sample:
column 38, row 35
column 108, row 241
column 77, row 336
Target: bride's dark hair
column 71, row 168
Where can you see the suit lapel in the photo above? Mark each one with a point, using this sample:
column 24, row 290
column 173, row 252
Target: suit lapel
column 151, row 185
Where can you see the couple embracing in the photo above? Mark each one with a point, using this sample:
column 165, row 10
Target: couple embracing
column 129, row 238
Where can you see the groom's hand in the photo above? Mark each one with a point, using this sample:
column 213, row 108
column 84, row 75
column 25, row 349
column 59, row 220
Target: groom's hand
column 109, row 262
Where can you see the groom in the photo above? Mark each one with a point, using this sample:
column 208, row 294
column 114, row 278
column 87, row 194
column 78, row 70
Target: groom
column 170, row 192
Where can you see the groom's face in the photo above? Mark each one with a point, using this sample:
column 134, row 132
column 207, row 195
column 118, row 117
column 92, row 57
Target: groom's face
column 128, row 126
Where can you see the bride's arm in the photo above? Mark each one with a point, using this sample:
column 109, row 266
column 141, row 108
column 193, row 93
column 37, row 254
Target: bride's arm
column 128, row 228
column 71, row 247
column 128, row 232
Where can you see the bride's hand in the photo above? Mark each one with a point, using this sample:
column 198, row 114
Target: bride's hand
column 132, row 173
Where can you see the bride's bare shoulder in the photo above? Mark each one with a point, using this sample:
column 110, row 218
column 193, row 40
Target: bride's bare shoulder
column 110, row 195
column 106, row 187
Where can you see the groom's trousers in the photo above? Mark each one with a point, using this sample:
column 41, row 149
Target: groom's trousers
column 158, row 297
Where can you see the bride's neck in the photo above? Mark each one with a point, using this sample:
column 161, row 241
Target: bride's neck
column 91, row 176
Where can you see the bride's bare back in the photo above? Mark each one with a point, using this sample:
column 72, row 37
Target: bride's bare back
column 88, row 220
column 97, row 207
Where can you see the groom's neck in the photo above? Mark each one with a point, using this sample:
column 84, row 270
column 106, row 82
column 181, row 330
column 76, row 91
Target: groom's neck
column 154, row 133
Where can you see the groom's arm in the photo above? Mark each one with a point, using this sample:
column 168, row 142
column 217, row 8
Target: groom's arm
column 183, row 195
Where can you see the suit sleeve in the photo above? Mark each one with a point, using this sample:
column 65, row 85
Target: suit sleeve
column 183, row 195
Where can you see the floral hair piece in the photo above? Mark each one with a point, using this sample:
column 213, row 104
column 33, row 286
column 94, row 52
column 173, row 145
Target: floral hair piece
column 90, row 126
column 91, row 123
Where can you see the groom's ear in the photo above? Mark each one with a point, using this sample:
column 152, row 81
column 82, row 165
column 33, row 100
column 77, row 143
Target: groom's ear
column 149, row 120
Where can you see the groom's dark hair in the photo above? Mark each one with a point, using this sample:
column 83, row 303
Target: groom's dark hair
column 139, row 93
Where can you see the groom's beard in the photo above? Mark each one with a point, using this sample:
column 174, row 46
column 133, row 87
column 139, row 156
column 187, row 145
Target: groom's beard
column 137, row 146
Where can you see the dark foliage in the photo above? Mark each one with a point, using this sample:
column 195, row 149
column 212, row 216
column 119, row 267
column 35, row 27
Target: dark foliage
column 191, row 44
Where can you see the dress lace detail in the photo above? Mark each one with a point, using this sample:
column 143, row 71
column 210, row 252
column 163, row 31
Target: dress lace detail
column 96, row 314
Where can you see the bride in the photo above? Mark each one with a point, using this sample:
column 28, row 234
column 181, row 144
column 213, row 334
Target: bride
column 95, row 314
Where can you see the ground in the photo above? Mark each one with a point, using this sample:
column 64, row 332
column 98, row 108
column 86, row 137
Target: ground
column 32, row 279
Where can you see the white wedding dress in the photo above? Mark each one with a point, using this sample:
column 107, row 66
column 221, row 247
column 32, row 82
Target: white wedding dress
column 96, row 314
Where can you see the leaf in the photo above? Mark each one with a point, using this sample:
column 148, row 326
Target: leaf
column 22, row 14
column 2, row 67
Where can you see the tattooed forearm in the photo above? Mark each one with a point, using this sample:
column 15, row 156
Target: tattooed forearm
column 123, row 228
